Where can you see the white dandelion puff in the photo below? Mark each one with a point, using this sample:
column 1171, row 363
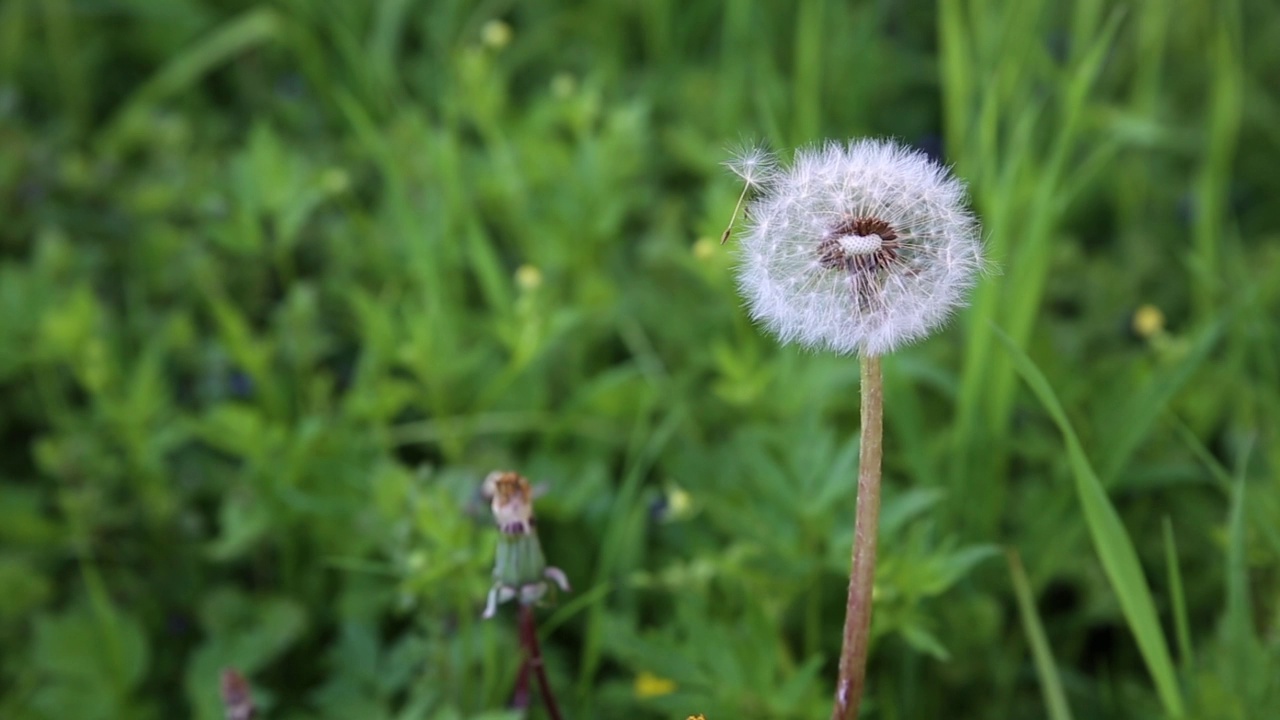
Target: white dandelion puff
column 858, row 247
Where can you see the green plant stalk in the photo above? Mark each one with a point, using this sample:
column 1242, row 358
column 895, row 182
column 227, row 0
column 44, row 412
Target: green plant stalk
column 862, row 575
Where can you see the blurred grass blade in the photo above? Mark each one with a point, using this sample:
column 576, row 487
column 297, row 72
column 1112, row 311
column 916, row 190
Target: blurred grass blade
column 234, row 37
column 807, row 78
column 1238, row 606
column 1245, row 656
column 1213, row 186
column 955, row 69
column 1110, row 541
column 63, row 36
column 1260, row 510
column 1055, row 700
column 1182, row 628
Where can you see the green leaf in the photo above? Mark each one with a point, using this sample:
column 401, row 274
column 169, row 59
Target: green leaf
column 90, row 664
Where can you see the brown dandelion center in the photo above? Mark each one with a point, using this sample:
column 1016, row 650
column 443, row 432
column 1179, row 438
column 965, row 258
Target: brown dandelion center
column 852, row 245
column 866, row 248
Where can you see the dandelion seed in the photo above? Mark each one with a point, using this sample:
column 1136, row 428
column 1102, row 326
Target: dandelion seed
column 858, row 247
column 754, row 165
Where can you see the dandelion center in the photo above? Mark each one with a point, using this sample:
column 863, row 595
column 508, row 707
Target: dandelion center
column 859, row 245
column 864, row 248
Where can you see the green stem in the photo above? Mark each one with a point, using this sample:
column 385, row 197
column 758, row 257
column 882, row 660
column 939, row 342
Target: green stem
column 857, row 620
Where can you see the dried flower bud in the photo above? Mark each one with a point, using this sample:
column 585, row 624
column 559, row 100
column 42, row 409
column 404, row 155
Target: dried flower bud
column 511, row 498
column 859, row 247
column 520, row 569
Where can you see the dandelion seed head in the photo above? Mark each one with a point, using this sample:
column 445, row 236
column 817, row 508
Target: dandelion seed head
column 858, row 247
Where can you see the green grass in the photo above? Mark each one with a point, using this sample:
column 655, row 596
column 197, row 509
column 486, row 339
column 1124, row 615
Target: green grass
column 280, row 282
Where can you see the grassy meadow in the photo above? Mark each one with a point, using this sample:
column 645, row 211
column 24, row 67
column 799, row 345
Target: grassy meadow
column 281, row 282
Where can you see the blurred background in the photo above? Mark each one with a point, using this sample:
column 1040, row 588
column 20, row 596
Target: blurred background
column 280, row 282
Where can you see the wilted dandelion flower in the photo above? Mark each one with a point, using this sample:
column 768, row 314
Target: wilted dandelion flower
column 858, row 247
column 520, row 569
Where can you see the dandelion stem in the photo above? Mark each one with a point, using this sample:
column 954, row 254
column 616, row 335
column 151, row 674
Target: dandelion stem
column 533, row 659
column 724, row 236
column 520, row 696
column 857, row 620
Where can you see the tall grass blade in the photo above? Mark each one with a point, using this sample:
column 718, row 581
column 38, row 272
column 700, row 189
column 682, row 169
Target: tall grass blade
column 1110, row 540
column 1245, row 655
column 1178, row 599
column 1055, row 700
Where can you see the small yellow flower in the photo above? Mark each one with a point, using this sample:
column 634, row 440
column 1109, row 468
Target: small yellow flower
column 674, row 505
column 1148, row 322
column 699, row 716
column 681, row 501
column 704, row 248
column 649, row 685
column 496, row 34
column 528, row 278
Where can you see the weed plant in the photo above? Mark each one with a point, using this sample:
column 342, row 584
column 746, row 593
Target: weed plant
column 281, row 282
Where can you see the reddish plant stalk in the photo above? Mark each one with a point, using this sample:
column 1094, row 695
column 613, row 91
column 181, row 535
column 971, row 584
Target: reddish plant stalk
column 857, row 620
column 520, row 696
column 533, row 662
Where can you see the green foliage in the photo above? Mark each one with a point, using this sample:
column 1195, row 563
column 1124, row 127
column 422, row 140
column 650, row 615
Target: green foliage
column 282, row 281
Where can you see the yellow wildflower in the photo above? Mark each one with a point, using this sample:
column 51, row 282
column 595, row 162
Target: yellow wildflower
column 648, row 685
column 496, row 34
column 1148, row 321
